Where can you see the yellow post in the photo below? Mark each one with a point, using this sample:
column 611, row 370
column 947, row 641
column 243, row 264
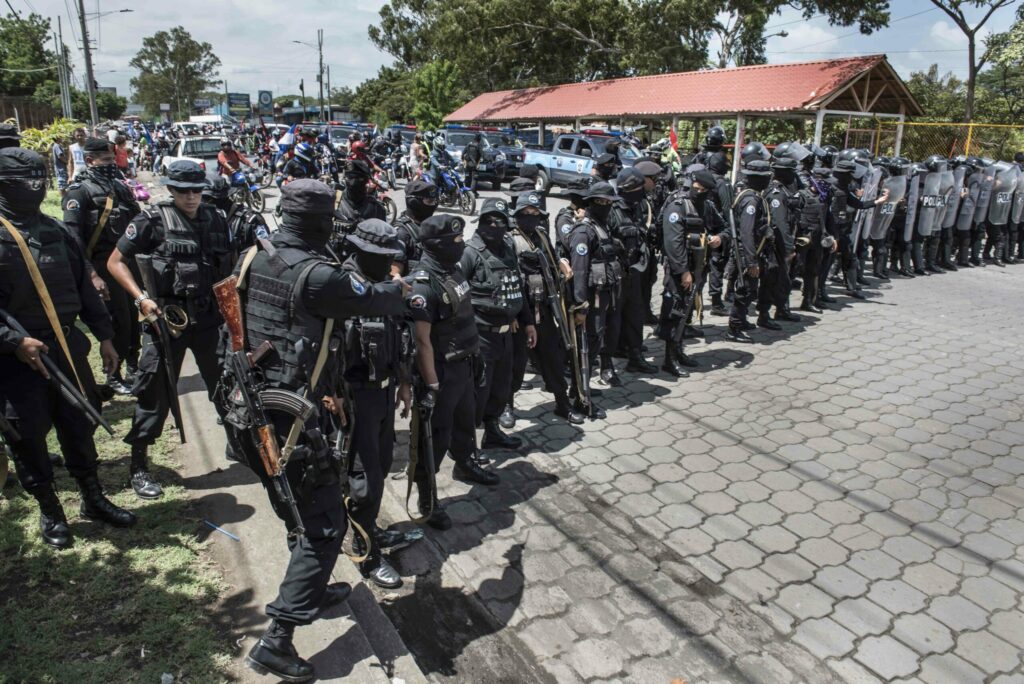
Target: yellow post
column 967, row 145
column 878, row 135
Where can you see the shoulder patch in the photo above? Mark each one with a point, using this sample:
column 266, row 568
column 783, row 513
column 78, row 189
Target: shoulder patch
column 751, row 210
column 673, row 217
column 581, row 249
column 775, row 204
column 418, row 302
column 566, row 228
column 130, row 232
column 71, row 205
column 262, row 232
column 500, row 205
column 358, row 284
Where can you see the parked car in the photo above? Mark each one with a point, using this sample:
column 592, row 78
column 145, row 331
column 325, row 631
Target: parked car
column 201, row 149
column 572, row 157
column 495, row 164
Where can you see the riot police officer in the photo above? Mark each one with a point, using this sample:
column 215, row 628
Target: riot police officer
column 245, row 225
column 288, row 294
column 536, row 255
column 605, row 167
column 420, row 204
column 811, row 226
column 377, row 369
column 783, row 197
column 629, row 222
column 597, row 275
column 191, row 249
column 497, row 294
column 658, row 184
column 356, row 205
column 28, row 400
column 97, row 209
column 566, row 218
column 447, row 346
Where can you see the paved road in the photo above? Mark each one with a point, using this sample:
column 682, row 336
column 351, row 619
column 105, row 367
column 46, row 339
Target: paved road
column 839, row 502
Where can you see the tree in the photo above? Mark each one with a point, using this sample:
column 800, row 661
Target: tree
column 25, row 63
column 437, row 93
column 173, row 68
column 941, row 96
column 109, row 105
column 955, row 9
column 341, row 96
column 386, row 98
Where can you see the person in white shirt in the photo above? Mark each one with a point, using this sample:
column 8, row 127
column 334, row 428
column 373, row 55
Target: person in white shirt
column 76, row 164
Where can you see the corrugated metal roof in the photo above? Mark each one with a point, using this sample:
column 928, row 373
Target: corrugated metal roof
column 797, row 87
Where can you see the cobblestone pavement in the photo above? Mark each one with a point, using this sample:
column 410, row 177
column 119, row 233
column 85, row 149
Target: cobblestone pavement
column 840, row 502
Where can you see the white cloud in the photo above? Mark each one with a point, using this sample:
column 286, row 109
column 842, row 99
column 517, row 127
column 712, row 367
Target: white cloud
column 946, row 35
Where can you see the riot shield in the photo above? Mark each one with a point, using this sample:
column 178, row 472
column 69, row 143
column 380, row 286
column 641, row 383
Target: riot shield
column 1017, row 211
column 988, row 176
column 863, row 220
column 946, row 193
column 969, row 204
column 1003, row 187
column 913, row 193
column 953, row 200
column 930, row 203
column 882, row 216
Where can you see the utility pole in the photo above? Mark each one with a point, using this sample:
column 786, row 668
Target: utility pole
column 61, row 78
column 330, row 111
column 65, row 88
column 89, row 80
column 320, row 74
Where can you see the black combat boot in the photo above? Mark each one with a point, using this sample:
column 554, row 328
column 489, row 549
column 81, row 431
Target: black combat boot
column 764, row 321
column 274, row 654
column 96, row 506
column 438, row 519
column 507, row 419
column 737, row 334
column 376, row 567
column 807, row 305
column 670, row 365
column 638, row 364
column 608, row 376
column 470, row 471
column 594, row 412
column 494, row 438
column 142, row 482
column 53, row 525
column 783, row 313
column 717, row 307
column 563, row 409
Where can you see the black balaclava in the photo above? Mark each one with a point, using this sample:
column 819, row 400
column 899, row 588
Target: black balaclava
column 698, row 197
column 757, row 182
column 529, row 222
column 104, row 174
column 314, row 229
column 599, row 212
column 419, row 209
column 445, row 250
column 785, row 176
column 355, row 187
column 376, row 267
column 492, row 230
column 22, row 183
column 843, row 179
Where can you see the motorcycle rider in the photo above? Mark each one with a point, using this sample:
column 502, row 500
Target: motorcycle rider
column 440, row 161
column 302, row 165
column 230, row 160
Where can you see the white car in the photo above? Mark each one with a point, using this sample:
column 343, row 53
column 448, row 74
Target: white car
column 201, row 149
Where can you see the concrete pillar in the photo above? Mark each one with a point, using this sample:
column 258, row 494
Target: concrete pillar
column 899, row 132
column 579, row 124
column 741, row 126
column 540, row 133
column 819, row 122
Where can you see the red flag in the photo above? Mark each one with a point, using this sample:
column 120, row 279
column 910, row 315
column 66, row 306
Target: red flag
column 673, row 138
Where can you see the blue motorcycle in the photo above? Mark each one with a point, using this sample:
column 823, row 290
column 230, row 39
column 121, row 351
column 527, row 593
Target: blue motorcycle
column 453, row 192
column 245, row 190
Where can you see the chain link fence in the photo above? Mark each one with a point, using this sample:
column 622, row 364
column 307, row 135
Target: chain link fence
column 921, row 140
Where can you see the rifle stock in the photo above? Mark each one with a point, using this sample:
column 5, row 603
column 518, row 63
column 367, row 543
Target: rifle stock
column 230, row 305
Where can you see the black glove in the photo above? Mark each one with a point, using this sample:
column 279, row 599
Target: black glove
column 426, row 398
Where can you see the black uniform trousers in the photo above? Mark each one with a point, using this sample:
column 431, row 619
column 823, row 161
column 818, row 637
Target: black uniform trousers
column 121, row 310
column 809, row 272
column 34, row 405
column 650, row 276
column 609, row 340
column 716, row 273
column 521, row 355
column 633, row 309
column 373, row 448
column 549, row 356
column 151, row 408
column 497, row 355
column 453, row 424
column 770, row 282
column 743, row 295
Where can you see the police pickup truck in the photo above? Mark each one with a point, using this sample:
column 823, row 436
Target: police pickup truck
column 572, row 157
column 501, row 157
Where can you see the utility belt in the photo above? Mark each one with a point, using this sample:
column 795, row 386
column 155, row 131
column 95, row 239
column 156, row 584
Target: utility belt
column 605, row 274
column 370, row 384
column 48, row 334
column 495, row 328
column 313, row 464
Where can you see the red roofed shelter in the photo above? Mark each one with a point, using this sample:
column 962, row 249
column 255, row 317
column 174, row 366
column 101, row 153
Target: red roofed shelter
column 852, row 86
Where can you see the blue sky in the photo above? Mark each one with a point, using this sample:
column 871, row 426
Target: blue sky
column 257, row 52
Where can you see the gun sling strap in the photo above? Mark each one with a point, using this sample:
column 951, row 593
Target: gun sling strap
column 44, row 296
column 107, row 208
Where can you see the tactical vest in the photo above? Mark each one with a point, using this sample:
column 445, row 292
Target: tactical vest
column 414, row 248
column 192, row 256
column 121, row 214
column 245, row 227
column 605, row 267
column 630, row 234
column 840, row 209
column 453, row 335
column 497, row 292
column 812, row 209
column 565, row 221
column 274, row 313
column 48, row 242
column 347, row 217
column 372, row 345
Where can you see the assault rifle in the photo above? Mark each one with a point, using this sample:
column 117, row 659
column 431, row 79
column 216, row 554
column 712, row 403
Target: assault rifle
column 68, row 390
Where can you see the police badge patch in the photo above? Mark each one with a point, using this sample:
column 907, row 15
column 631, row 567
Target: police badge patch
column 357, row 285
column 775, row 204
column 130, row 232
column 751, row 210
column 71, row 205
column 566, row 227
column 417, row 302
column 673, row 217
column 581, row 249
column 499, row 205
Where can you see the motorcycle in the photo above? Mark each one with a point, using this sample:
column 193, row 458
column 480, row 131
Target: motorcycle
column 265, row 164
column 376, row 190
column 245, row 189
column 452, row 192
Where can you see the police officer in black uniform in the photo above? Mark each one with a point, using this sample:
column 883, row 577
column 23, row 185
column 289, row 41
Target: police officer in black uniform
column 597, row 273
column 814, row 196
column 28, row 400
column 191, row 248
column 245, row 225
column 566, row 218
column 605, row 167
column 356, row 205
column 658, row 185
column 688, row 216
column 420, row 204
column 783, row 197
column 845, row 199
column 288, row 294
column 535, row 253
column 629, row 222
column 378, row 368
column 447, row 347
column 501, row 308
column 98, row 207
column 750, row 213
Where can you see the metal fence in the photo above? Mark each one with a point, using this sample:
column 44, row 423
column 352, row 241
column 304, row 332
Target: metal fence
column 28, row 113
column 923, row 139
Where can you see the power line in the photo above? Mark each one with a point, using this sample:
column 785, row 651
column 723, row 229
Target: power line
column 28, row 71
column 858, row 33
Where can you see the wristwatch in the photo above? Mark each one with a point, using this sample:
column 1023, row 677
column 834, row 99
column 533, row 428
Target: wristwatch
column 141, row 298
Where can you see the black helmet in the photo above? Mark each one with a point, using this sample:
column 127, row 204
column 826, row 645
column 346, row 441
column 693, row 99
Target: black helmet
column 754, row 150
column 791, row 150
column 715, row 137
column 936, row 163
column 355, row 136
column 217, row 188
column 1018, row 157
column 828, row 155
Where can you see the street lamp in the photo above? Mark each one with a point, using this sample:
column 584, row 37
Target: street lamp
column 319, row 47
column 97, row 15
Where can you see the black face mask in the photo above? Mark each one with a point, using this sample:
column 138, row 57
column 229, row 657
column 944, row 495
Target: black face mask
column 104, row 172
column 599, row 212
column 21, row 196
column 757, row 182
column 314, row 229
column 785, row 176
column 605, row 171
column 529, row 222
column 355, row 188
column 446, row 251
column 419, row 209
column 492, row 233
column 698, row 199
column 632, row 196
column 376, row 267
